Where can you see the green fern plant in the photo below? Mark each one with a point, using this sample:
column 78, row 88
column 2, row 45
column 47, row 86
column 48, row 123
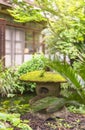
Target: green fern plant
column 72, row 77
column 82, row 68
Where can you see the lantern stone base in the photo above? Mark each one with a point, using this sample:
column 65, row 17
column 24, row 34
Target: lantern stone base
column 48, row 89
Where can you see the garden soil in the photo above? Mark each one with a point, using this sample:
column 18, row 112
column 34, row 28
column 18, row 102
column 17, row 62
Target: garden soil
column 70, row 121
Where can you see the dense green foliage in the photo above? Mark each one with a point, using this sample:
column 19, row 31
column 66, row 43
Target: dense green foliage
column 23, row 12
column 66, row 30
column 38, row 62
column 9, row 82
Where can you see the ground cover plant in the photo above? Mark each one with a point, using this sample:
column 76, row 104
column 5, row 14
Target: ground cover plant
column 14, row 121
column 11, row 109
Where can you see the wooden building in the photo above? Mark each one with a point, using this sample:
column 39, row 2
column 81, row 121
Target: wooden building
column 17, row 41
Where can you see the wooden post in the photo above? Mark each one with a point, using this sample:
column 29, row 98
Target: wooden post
column 43, row 44
column 34, row 48
column 2, row 38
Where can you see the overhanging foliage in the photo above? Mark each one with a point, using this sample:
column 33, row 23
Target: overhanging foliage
column 24, row 12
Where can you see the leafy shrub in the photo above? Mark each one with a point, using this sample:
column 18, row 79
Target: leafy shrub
column 38, row 62
column 9, row 82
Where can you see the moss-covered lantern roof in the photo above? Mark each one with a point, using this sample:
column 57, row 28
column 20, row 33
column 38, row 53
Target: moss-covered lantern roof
column 42, row 76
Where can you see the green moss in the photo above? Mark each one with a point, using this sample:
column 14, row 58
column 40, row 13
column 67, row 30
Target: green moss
column 42, row 76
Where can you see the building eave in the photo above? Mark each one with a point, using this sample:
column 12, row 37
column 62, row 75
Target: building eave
column 5, row 4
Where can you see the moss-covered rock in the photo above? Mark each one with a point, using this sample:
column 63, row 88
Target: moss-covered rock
column 42, row 76
column 49, row 104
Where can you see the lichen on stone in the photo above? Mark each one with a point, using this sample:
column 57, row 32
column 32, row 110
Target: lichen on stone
column 42, row 76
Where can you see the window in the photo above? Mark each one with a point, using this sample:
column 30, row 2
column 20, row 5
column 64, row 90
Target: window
column 14, row 46
column 32, row 42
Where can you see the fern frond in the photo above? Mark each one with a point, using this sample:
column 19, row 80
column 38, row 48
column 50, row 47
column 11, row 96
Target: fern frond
column 69, row 73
